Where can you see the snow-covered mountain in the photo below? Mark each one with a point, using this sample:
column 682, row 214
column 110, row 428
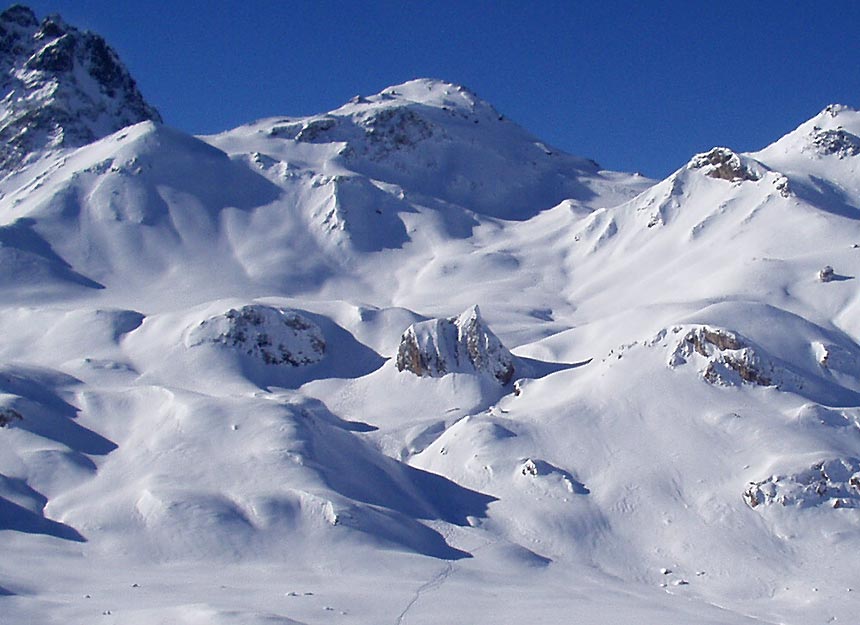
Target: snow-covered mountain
column 61, row 88
column 403, row 361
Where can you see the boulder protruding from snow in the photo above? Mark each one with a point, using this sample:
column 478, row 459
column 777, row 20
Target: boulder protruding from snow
column 274, row 335
column 726, row 359
column 461, row 344
column 834, row 483
column 724, row 164
column 8, row 416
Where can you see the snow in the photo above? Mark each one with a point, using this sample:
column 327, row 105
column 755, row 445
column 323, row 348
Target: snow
column 204, row 419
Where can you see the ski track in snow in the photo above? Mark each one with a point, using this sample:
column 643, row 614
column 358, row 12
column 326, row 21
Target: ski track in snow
column 433, row 584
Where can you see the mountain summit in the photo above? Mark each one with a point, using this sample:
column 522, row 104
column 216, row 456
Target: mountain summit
column 436, row 140
column 61, row 87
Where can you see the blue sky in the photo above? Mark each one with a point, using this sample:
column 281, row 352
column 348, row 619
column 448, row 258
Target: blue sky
column 638, row 86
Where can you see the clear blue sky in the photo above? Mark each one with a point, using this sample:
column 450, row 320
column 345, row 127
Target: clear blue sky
column 638, row 86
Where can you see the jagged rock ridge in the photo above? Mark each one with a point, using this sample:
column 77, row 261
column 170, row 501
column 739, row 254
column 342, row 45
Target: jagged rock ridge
column 61, row 87
column 728, row 359
column 462, row 344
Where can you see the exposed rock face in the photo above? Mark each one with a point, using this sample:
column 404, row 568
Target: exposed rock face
column 826, row 274
column 724, row 164
column 727, row 360
column 394, row 129
column 461, row 344
column 836, row 358
column 834, row 483
column 273, row 335
column 839, row 143
column 835, row 109
column 374, row 133
column 60, row 87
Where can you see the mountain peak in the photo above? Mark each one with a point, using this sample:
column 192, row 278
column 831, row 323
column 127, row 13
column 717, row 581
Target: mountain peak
column 834, row 132
column 60, row 87
column 19, row 15
column 435, row 92
column 833, row 110
column 430, row 92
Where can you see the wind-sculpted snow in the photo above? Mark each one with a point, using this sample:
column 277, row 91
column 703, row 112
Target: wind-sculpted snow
column 35, row 394
column 133, row 202
column 31, row 262
column 278, row 473
column 357, row 213
column 231, row 390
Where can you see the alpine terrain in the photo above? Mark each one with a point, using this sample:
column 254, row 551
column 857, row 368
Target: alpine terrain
column 403, row 362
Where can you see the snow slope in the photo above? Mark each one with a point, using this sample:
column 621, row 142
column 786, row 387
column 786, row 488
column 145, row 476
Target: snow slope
column 237, row 384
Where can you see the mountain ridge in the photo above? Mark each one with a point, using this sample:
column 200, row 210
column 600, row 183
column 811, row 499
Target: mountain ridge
column 62, row 87
column 237, row 384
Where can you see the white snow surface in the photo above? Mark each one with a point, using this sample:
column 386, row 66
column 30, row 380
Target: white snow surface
column 675, row 357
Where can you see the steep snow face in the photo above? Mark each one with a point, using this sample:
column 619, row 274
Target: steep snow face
column 459, row 344
column 61, row 87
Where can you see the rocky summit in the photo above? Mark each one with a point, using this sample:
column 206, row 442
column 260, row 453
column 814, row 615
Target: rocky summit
column 61, row 87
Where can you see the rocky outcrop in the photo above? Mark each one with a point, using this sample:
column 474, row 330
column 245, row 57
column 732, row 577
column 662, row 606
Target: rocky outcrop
column 393, row 129
column 461, row 344
column 724, row 358
column 551, row 476
column 838, row 142
column 724, row 164
column 836, row 359
column 60, row 87
column 834, row 483
column 8, row 416
column 273, row 335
